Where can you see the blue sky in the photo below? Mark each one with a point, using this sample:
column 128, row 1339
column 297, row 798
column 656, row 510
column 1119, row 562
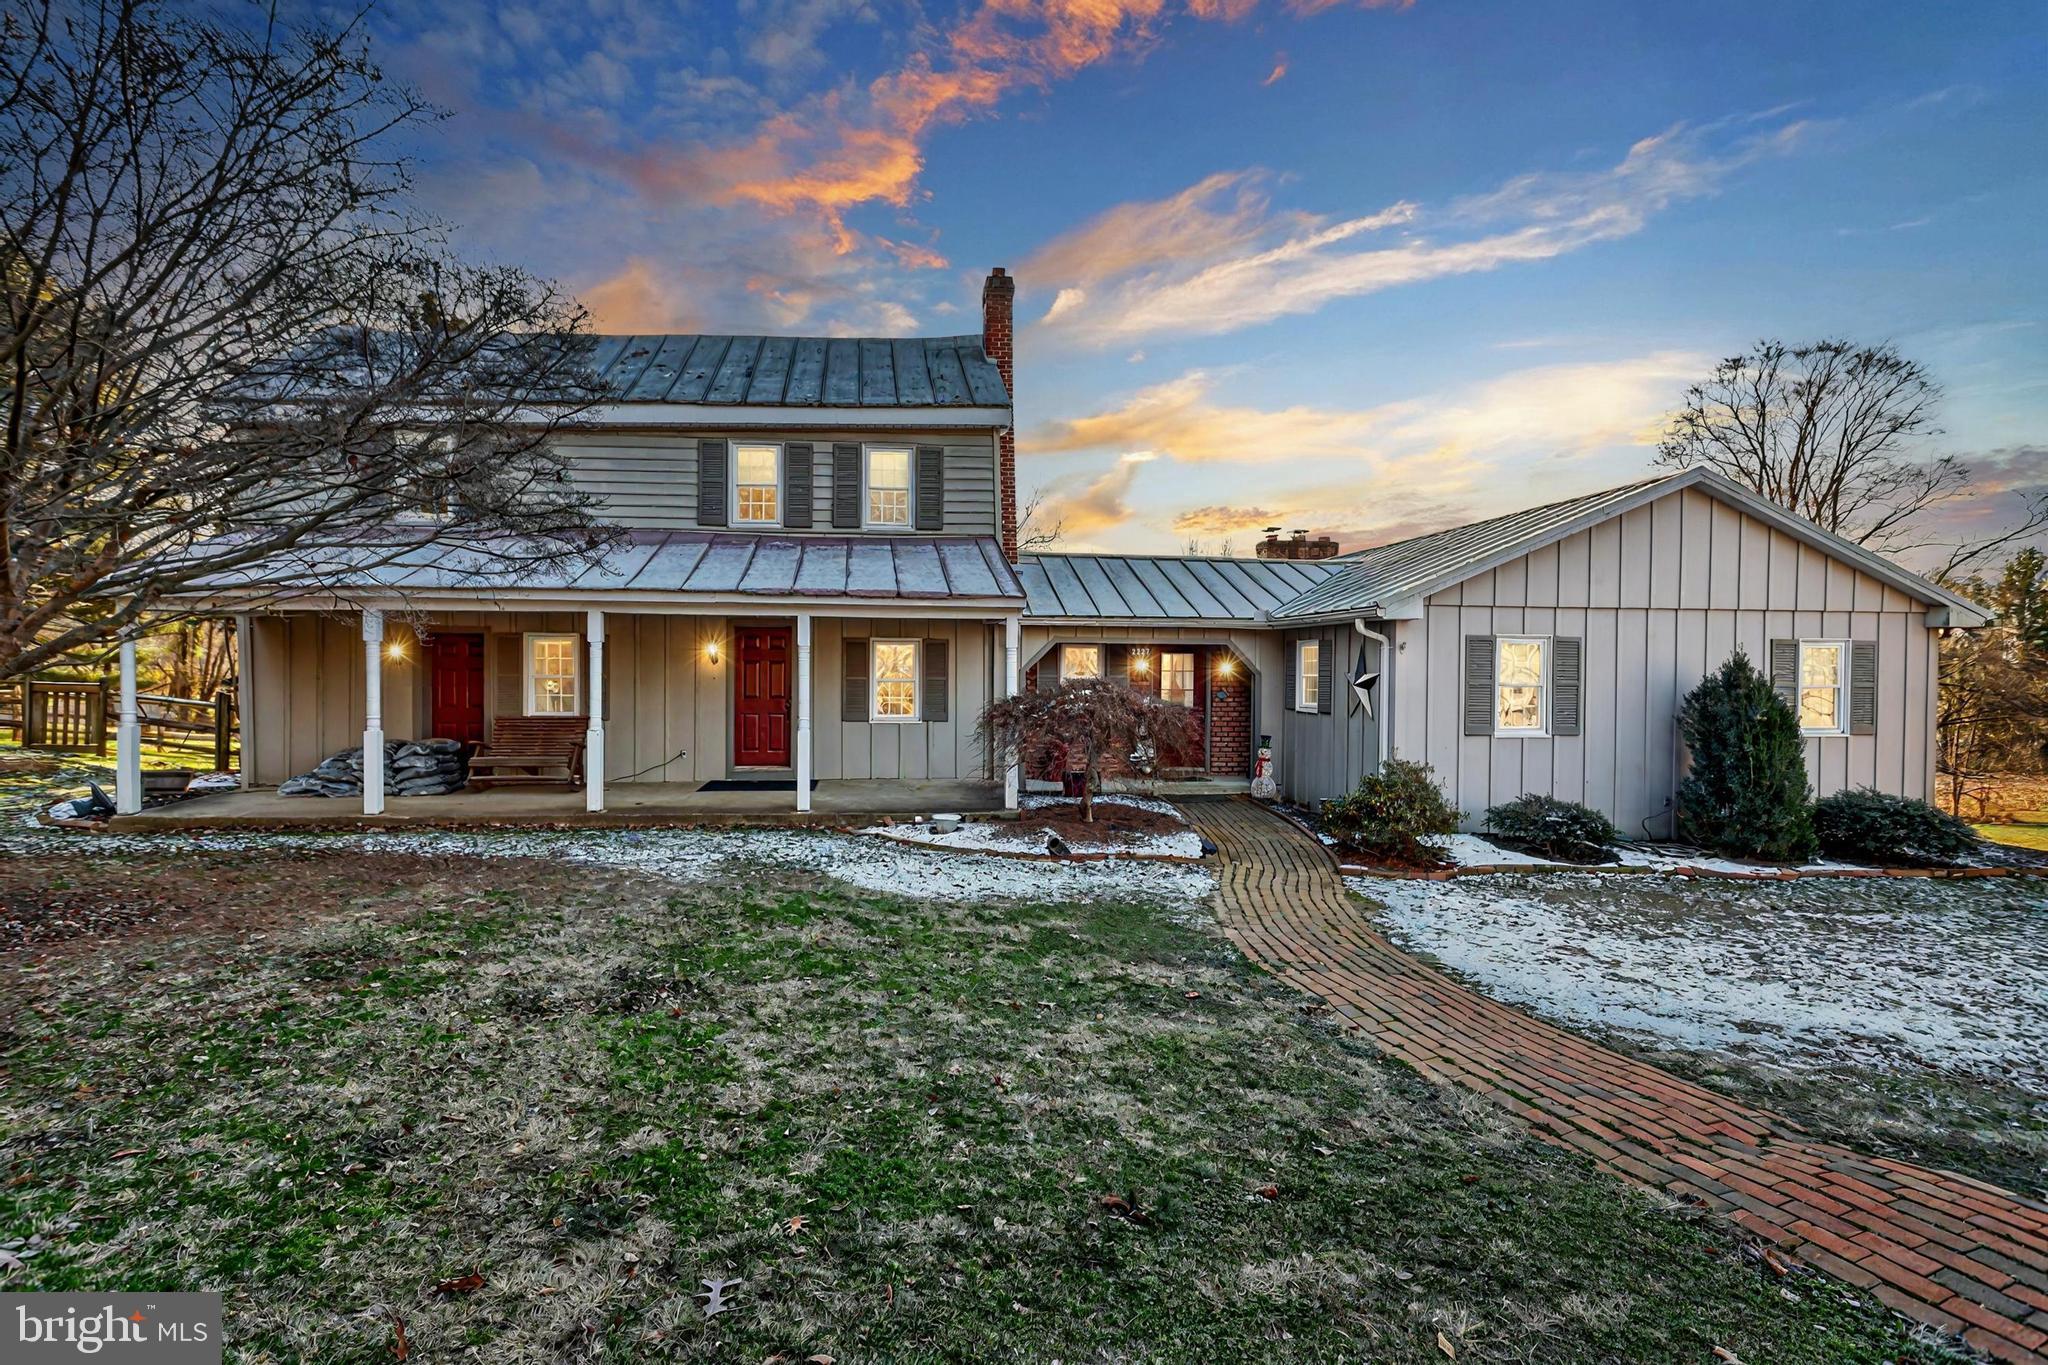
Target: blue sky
column 1369, row 269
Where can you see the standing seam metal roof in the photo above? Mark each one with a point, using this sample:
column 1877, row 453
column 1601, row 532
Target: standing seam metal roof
column 1163, row 588
column 761, row 371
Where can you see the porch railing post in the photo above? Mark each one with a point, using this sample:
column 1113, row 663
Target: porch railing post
column 1012, row 632
column 223, row 727
column 373, row 712
column 593, row 744
column 803, row 711
column 128, row 740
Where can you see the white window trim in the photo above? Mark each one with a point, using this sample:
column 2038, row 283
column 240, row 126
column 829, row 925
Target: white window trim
column 1305, row 677
column 1101, row 661
column 1841, row 725
column 909, row 522
column 916, row 684
column 1541, row 730
column 526, row 671
column 732, row 483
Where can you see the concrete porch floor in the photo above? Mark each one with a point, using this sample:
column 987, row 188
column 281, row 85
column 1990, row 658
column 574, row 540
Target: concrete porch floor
column 833, row 803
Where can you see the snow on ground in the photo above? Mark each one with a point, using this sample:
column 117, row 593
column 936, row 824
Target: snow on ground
column 1472, row 850
column 1892, row 973
column 688, row 854
column 988, row 836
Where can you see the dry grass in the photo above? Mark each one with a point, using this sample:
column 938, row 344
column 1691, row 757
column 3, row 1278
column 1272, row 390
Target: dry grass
column 913, row 1130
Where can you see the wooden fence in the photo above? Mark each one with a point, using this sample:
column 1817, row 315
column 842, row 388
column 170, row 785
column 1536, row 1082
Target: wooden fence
column 73, row 717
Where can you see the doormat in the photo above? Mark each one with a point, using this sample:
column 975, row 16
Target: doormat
column 737, row 784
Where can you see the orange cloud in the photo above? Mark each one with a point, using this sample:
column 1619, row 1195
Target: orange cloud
column 1279, row 70
column 637, row 299
column 1219, row 520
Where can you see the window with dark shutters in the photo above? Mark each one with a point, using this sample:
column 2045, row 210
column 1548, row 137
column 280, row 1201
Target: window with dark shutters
column 1785, row 672
column 931, row 488
column 712, row 480
column 1479, row 685
column 1326, row 658
column 846, row 492
column 799, row 476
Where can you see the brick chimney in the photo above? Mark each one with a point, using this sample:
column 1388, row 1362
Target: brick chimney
column 998, row 292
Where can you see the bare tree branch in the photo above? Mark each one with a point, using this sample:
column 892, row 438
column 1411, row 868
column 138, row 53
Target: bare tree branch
column 228, row 338
column 1833, row 431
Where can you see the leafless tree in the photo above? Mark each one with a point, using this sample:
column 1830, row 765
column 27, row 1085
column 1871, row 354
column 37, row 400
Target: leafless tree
column 229, row 340
column 1836, row 432
column 1034, row 532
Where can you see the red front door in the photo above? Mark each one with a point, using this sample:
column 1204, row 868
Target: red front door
column 761, row 699
column 458, row 683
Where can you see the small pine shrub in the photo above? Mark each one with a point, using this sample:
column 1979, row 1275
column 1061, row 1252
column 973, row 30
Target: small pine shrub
column 1558, row 829
column 1391, row 814
column 1746, row 794
column 1870, row 826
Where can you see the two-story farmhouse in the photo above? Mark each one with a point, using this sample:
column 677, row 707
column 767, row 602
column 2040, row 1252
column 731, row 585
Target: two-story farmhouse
column 819, row 588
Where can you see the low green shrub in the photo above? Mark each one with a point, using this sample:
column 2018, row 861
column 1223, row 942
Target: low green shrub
column 1558, row 829
column 1391, row 814
column 1870, row 826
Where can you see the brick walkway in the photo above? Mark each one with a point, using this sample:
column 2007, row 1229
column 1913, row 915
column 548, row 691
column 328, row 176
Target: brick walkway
column 1963, row 1255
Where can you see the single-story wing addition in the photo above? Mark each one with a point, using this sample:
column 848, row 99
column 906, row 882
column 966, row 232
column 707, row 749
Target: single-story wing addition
column 817, row 583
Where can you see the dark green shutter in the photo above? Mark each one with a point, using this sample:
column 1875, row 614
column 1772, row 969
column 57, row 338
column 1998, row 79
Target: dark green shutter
column 1567, row 684
column 1863, row 687
column 1479, row 684
column 798, row 475
column 1290, row 695
column 846, row 489
column 509, row 660
column 936, row 660
column 853, row 694
column 1785, row 672
column 1116, row 663
column 712, row 483
column 1325, row 675
column 931, row 488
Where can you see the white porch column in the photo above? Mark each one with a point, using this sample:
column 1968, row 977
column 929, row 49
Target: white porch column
column 373, row 712
column 128, row 740
column 1013, row 629
column 593, row 746
column 803, row 711
column 245, row 699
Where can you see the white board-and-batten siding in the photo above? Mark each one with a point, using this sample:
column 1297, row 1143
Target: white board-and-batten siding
column 1661, row 595
column 649, row 479
column 668, row 707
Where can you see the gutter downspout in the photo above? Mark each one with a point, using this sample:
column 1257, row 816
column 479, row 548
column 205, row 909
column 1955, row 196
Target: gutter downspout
column 1382, row 712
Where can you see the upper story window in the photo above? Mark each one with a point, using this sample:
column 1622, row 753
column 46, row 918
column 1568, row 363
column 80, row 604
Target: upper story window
column 1308, row 675
column 1521, row 668
column 756, row 485
column 1080, row 661
column 554, row 675
column 888, row 487
column 1823, row 675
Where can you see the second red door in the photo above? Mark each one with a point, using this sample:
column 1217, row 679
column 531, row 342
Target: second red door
column 761, row 698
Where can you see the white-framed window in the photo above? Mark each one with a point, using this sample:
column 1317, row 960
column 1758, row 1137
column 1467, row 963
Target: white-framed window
column 756, row 484
column 1080, row 661
column 1308, row 675
column 426, row 491
column 893, row 670
column 554, row 675
column 1521, row 685
column 1177, row 677
column 1824, row 687
column 888, row 487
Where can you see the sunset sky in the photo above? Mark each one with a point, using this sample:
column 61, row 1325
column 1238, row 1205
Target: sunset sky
column 1369, row 269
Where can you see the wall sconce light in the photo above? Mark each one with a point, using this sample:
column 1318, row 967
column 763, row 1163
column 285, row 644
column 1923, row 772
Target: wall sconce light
column 1226, row 667
column 1141, row 661
column 394, row 650
column 711, row 651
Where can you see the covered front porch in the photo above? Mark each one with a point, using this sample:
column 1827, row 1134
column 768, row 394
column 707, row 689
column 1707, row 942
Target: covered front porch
column 833, row 803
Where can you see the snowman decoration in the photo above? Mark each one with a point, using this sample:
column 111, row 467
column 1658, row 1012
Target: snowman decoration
column 1263, row 785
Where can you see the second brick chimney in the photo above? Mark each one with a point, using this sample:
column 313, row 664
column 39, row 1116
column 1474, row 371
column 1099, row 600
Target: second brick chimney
column 998, row 293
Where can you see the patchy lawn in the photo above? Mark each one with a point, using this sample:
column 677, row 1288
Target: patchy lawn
column 523, row 1107
column 2029, row 829
column 1903, row 1016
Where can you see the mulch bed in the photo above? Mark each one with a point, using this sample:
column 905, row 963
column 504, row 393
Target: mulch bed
column 1115, row 823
